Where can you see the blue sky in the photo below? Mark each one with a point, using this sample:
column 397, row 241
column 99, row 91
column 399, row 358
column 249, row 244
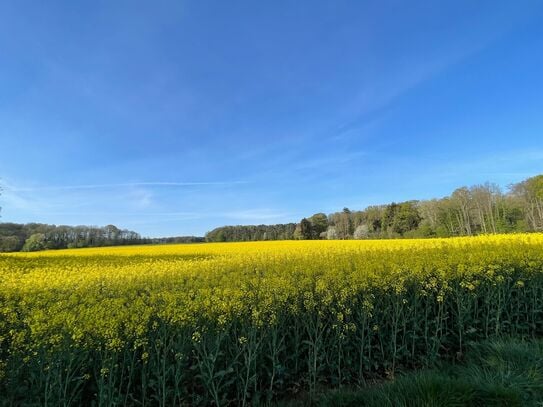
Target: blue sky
column 173, row 117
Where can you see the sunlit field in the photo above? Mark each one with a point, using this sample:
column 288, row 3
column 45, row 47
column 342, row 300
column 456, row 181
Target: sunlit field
column 248, row 323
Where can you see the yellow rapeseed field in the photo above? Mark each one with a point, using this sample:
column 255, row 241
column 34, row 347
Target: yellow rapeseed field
column 245, row 322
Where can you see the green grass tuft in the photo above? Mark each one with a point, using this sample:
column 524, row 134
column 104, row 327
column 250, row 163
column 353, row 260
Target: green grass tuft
column 498, row 373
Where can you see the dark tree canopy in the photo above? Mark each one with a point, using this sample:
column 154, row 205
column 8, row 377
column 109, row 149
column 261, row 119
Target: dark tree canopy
column 252, row 233
column 38, row 236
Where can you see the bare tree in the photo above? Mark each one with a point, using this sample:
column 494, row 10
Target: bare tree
column 486, row 199
column 461, row 199
column 530, row 193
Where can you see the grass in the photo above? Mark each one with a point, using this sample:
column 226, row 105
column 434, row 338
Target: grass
column 496, row 373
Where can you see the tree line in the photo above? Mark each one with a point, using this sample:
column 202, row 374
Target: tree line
column 468, row 211
column 16, row 237
column 38, row 236
column 175, row 239
column 478, row 209
column 251, row 233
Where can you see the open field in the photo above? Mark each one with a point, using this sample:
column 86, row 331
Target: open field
column 244, row 323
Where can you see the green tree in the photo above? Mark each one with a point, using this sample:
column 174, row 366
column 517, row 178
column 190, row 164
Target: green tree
column 306, row 229
column 34, row 243
column 303, row 230
column 343, row 223
column 319, row 224
column 401, row 218
column 9, row 243
column 374, row 218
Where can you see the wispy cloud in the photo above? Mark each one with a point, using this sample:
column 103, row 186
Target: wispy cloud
column 377, row 95
column 120, row 185
column 14, row 200
column 91, row 201
column 141, row 198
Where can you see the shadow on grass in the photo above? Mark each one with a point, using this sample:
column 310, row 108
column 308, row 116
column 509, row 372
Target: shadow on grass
column 498, row 373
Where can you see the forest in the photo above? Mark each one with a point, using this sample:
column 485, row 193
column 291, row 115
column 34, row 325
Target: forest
column 33, row 237
column 479, row 209
column 38, row 236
